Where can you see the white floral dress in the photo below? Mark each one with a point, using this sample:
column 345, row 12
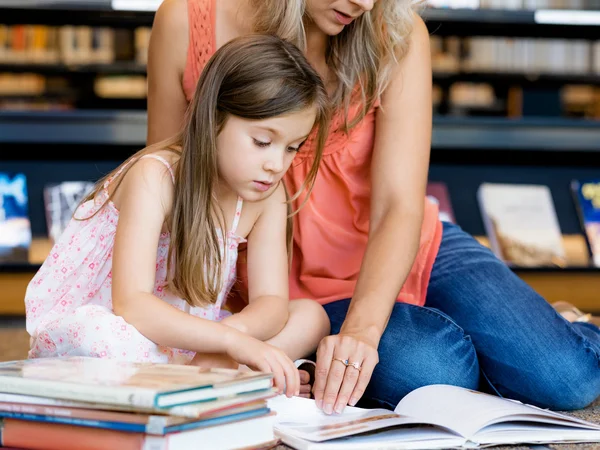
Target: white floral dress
column 69, row 303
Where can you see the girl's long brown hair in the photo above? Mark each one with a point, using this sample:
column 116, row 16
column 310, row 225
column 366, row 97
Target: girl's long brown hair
column 254, row 77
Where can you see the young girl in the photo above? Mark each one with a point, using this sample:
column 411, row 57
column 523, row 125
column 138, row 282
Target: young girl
column 144, row 268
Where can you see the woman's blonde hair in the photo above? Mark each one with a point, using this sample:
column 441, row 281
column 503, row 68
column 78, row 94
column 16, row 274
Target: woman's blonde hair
column 362, row 56
column 254, row 77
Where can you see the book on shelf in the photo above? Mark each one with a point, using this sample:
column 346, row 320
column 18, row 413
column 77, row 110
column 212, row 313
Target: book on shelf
column 72, row 44
column 60, row 202
column 430, row 417
column 122, row 383
column 15, row 226
column 521, row 223
column 586, row 194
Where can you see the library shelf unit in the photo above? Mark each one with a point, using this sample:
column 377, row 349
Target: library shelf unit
column 567, row 24
column 86, row 144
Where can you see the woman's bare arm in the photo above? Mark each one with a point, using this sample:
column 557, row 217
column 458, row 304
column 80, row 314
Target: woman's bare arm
column 167, row 55
column 399, row 178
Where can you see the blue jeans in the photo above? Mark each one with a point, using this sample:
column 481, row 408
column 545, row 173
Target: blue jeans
column 484, row 328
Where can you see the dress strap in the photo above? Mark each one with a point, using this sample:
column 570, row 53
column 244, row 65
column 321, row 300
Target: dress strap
column 162, row 160
column 238, row 214
column 109, row 180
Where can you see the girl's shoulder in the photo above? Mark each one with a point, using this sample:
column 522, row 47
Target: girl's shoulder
column 151, row 173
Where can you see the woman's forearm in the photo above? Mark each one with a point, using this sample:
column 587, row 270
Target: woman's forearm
column 166, row 325
column 389, row 256
column 262, row 319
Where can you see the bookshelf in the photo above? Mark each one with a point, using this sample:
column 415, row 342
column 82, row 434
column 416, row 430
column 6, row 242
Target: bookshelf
column 467, row 148
column 566, row 24
column 78, row 12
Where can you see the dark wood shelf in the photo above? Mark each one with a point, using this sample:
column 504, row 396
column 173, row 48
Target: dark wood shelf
column 526, row 134
column 19, row 267
column 574, row 24
column 516, row 78
column 95, row 127
column 32, row 268
column 475, row 134
column 116, row 68
column 445, row 22
column 70, row 12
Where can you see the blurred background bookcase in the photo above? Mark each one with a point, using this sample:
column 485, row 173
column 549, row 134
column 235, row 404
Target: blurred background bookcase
column 72, row 107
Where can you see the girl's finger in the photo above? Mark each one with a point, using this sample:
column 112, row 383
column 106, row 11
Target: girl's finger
column 292, row 376
column 278, row 378
column 305, row 389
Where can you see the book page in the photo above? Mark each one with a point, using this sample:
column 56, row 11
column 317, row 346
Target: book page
column 301, row 418
column 519, row 433
column 467, row 411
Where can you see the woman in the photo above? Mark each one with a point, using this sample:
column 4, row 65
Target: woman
column 411, row 301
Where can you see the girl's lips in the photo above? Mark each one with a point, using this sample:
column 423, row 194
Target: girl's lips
column 343, row 18
column 262, row 186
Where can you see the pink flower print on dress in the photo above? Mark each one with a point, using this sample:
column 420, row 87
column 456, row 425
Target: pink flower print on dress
column 76, row 334
column 63, row 269
column 66, row 303
column 45, row 344
column 121, row 329
column 33, row 307
column 101, row 349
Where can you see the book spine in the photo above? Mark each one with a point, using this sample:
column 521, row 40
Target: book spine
column 40, row 418
column 111, row 395
column 56, row 436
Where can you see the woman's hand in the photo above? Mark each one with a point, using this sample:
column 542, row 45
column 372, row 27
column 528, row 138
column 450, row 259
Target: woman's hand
column 345, row 363
column 264, row 357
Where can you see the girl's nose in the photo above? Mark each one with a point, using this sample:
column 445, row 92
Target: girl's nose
column 274, row 163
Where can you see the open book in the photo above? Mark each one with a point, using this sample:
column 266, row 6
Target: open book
column 435, row 416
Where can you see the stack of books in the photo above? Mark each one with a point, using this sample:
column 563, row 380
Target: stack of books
column 74, row 403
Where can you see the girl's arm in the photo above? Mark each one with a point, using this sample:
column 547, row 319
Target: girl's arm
column 399, row 178
column 167, row 54
column 144, row 197
column 267, row 310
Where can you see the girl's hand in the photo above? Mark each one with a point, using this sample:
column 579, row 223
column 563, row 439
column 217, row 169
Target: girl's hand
column 264, row 357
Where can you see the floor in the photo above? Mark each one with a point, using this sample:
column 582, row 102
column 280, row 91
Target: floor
column 14, row 342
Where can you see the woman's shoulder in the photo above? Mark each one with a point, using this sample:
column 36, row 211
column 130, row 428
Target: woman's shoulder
column 172, row 16
column 169, row 39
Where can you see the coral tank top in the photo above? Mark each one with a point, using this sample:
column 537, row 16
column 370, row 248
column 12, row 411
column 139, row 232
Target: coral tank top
column 331, row 231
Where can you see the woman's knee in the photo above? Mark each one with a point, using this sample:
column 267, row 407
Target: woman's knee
column 422, row 346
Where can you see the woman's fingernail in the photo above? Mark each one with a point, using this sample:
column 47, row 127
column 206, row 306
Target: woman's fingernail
column 319, row 404
column 328, row 408
column 339, row 409
column 352, row 402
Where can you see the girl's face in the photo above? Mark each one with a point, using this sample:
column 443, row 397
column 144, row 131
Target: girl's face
column 331, row 16
column 253, row 155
